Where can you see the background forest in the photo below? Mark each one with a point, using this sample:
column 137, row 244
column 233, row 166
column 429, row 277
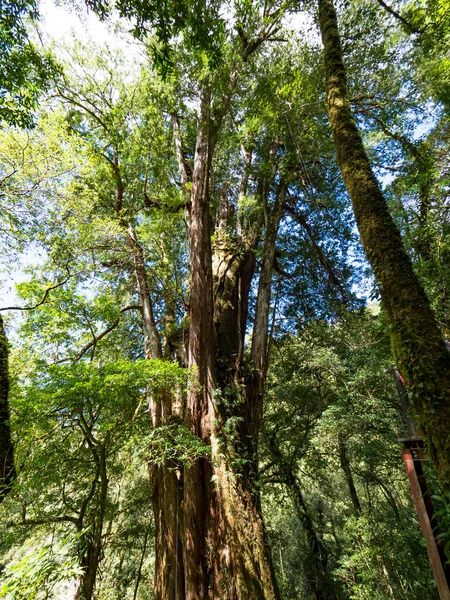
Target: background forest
column 104, row 150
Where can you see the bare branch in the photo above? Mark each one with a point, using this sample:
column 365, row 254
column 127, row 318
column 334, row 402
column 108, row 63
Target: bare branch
column 44, row 297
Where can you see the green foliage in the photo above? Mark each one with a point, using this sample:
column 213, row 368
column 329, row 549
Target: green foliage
column 24, row 72
column 175, row 445
column 377, row 566
column 42, row 569
column 66, row 417
column 331, row 385
column 442, row 507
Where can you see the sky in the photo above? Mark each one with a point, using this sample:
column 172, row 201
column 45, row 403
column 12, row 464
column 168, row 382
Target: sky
column 58, row 23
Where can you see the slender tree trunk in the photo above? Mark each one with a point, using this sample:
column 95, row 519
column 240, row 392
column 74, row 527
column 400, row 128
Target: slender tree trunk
column 419, row 348
column 152, row 342
column 259, row 341
column 151, row 338
column 320, row 582
column 169, row 572
column 345, row 464
column 247, row 155
column 91, row 561
column 141, row 562
column 7, row 469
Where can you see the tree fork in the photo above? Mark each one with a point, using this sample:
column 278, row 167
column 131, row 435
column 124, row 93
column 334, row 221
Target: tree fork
column 225, row 550
column 417, row 341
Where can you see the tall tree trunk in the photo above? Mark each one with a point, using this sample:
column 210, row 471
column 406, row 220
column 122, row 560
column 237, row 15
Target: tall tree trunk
column 7, row 469
column 420, row 351
column 225, row 549
column 165, row 480
column 197, row 477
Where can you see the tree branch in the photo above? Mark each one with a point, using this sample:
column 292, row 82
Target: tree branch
column 85, row 108
column 412, row 28
column 97, row 338
column 48, row 521
column 334, row 278
column 183, row 166
column 44, row 297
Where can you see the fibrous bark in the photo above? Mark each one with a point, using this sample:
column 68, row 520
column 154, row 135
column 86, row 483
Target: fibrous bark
column 420, row 351
column 225, row 553
column 225, row 549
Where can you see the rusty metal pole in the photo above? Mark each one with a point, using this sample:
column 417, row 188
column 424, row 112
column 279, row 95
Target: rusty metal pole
column 412, row 456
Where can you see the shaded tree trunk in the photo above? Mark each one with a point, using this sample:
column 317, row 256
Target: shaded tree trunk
column 167, row 494
column 90, row 562
column 319, row 579
column 419, row 348
column 141, row 562
column 152, row 342
column 7, row 468
column 345, row 465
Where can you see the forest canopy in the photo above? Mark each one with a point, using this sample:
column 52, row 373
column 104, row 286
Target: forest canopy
column 225, row 251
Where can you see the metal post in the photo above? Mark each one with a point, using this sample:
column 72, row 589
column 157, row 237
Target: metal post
column 413, row 456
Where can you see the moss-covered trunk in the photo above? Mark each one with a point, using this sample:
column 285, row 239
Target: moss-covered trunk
column 417, row 342
column 7, row 469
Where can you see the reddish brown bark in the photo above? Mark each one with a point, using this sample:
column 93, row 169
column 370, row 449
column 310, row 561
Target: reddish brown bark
column 225, row 550
column 169, row 571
